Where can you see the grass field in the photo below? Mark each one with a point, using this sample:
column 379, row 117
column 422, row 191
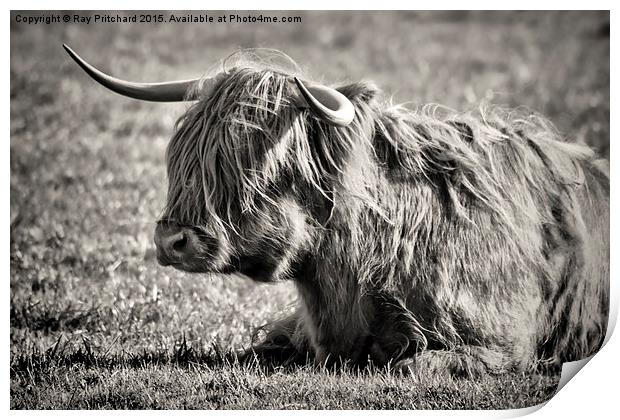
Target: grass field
column 96, row 323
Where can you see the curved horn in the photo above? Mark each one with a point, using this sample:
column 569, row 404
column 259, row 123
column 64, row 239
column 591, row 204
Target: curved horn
column 328, row 104
column 156, row 92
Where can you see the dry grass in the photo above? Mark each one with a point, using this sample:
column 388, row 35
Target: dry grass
column 95, row 323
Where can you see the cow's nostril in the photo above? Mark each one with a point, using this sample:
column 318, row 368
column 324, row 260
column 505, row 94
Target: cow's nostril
column 180, row 244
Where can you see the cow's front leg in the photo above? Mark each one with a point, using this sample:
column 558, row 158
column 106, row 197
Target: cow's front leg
column 284, row 344
column 395, row 332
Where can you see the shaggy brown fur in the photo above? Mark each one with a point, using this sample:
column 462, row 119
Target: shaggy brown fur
column 425, row 239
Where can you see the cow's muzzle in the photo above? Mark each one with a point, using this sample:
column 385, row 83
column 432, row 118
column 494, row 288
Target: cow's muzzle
column 181, row 246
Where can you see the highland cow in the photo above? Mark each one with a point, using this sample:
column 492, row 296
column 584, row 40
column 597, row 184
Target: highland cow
column 419, row 239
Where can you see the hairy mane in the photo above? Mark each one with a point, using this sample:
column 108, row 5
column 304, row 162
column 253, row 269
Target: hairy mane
column 515, row 166
column 230, row 146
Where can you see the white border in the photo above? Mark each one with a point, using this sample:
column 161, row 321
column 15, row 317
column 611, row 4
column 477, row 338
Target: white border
column 592, row 395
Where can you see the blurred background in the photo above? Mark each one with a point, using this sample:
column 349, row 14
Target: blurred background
column 88, row 172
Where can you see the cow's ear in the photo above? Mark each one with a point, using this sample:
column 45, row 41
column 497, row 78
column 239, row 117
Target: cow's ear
column 360, row 91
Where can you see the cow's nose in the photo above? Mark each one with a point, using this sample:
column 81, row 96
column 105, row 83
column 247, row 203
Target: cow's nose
column 171, row 242
column 175, row 242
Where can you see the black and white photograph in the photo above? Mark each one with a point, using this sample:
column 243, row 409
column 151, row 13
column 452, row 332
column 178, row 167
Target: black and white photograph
column 306, row 210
